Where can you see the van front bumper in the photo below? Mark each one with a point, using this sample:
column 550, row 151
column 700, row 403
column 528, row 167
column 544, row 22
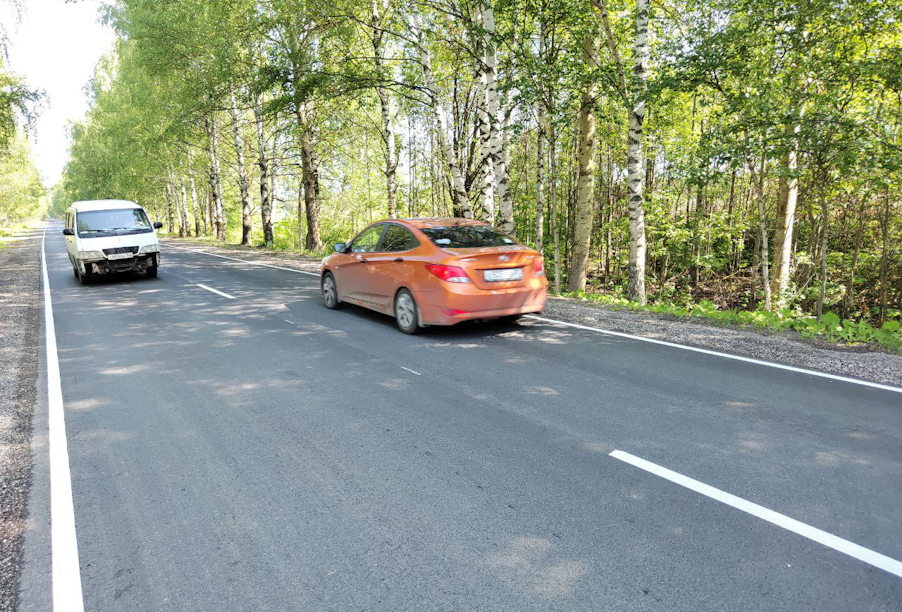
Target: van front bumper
column 138, row 263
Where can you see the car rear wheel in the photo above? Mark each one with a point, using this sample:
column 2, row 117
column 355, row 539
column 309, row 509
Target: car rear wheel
column 330, row 292
column 406, row 313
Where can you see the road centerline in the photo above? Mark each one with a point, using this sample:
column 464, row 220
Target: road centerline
column 829, row 540
column 66, row 574
column 216, row 291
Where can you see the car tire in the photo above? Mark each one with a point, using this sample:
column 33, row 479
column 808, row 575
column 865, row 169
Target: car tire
column 510, row 319
column 152, row 271
column 407, row 314
column 329, row 290
column 87, row 276
column 75, row 270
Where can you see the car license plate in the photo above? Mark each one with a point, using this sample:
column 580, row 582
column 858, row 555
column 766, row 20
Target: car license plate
column 120, row 255
column 508, row 274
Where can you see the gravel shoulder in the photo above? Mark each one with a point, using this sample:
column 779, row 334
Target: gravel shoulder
column 784, row 347
column 20, row 265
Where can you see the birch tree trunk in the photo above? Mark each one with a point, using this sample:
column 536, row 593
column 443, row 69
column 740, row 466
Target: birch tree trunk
column 170, row 214
column 585, row 185
column 757, row 183
column 540, row 177
column 184, row 232
column 263, row 166
column 505, row 200
column 194, row 207
column 825, row 232
column 634, row 155
column 246, row 226
column 487, row 164
column 310, row 174
column 787, row 200
column 382, row 47
column 216, row 180
column 459, row 196
column 555, row 225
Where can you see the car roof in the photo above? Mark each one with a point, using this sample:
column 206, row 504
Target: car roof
column 102, row 205
column 424, row 222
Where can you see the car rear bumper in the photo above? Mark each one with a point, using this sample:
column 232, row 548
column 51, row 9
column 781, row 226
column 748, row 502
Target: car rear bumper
column 465, row 303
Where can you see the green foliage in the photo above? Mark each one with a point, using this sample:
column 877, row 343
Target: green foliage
column 22, row 195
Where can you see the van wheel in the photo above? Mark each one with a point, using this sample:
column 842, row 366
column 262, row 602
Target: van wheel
column 87, row 276
column 406, row 313
column 152, row 271
column 75, row 270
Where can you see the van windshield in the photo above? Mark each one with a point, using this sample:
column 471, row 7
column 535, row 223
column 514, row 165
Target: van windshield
column 113, row 222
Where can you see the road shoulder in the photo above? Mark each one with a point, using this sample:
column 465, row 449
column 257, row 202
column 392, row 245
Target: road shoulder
column 20, row 264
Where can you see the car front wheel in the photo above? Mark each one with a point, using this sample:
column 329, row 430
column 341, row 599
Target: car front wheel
column 406, row 313
column 330, row 292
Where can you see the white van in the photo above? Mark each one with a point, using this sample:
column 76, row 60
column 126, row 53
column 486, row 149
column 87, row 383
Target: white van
column 104, row 236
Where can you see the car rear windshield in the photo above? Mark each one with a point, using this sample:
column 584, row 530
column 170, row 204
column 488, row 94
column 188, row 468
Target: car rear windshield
column 112, row 222
column 467, row 236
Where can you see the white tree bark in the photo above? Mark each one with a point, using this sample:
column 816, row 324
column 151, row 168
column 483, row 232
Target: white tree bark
column 263, row 167
column 459, row 196
column 585, row 186
column 635, row 137
column 216, row 179
column 540, row 177
column 757, row 183
column 194, row 207
column 183, row 210
column 787, row 199
column 381, row 48
column 242, row 172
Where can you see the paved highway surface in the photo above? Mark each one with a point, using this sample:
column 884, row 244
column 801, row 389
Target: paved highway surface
column 248, row 449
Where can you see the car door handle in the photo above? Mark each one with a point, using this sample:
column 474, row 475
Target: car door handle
column 398, row 259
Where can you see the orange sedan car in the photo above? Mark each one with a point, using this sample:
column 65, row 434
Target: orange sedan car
column 436, row 271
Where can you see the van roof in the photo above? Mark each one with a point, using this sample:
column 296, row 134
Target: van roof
column 102, row 205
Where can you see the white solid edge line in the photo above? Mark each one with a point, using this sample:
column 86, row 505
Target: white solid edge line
column 216, row 291
column 769, row 364
column 411, row 371
column 66, row 575
column 846, row 547
column 256, row 263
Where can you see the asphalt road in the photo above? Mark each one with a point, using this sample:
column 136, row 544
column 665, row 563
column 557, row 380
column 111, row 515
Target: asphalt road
column 265, row 453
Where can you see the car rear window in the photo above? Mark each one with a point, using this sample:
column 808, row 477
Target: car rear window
column 467, row 236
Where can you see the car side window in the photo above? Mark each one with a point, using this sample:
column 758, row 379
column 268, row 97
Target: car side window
column 367, row 241
column 397, row 238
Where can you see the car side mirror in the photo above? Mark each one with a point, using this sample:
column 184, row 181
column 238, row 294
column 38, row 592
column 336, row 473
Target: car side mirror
column 67, row 231
column 157, row 224
column 340, row 247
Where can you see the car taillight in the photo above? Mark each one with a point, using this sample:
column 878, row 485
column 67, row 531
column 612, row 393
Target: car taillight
column 539, row 270
column 452, row 274
column 453, row 312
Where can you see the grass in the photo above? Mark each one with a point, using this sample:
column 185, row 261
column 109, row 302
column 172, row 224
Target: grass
column 831, row 327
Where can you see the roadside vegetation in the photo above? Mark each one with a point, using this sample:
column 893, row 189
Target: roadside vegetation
column 22, row 196
column 738, row 160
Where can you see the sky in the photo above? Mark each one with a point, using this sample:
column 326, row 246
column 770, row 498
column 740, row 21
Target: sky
column 55, row 47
